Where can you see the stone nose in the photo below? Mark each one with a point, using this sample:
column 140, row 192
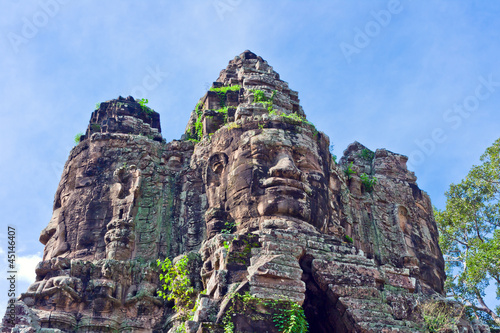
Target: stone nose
column 285, row 168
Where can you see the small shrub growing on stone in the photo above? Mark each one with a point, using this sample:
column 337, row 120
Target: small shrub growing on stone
column 438, row 317
column 176, row 283
column 368, row 182
column 367, row 154
column 349, row 171
column 348, row 239
column 77, row 138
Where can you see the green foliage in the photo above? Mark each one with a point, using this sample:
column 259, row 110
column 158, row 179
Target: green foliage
column 470, row 235
column 176, row 284
column 367, row 154
column 144, row 107
column 181, row 328
column 229, row 226
column 224, row 112
column 77, row 138
column 198, row 128
column 349, row 171
column 349, row 239
column 260, row 97
column 438, row 317
column 291, row 319
column 97, row 106
column 222, row 91
column 368, row 181
column 228, row 326
column 198, row 107
column 288, row 316
column 293, row 116
column 95, row 127
column 233, row 125
column 198, row 125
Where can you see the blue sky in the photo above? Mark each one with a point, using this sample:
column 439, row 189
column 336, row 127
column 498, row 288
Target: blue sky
column 417, row 78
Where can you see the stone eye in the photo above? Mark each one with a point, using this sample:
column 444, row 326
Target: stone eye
column 261, row 157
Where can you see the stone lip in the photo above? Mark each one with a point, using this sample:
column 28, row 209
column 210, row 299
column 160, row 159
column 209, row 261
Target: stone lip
column 124, row 115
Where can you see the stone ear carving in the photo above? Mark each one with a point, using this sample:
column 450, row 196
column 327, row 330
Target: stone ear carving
column 216, row 165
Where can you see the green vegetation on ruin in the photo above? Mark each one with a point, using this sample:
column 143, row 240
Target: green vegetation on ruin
column 198, row 125
column 176, row 284
column 222, row 91
column 349, row 171
column 78, row 137
column 440, row 317
column 368, row 181
column 348, row 239
column 146, row 109
column 288, row 316
column 367, row 155
column 260, row 97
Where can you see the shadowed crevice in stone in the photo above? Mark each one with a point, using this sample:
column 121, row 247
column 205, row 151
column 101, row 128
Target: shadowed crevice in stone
column 320, row 310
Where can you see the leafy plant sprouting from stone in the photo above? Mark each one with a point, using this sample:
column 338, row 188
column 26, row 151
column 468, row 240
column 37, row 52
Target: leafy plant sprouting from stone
column 95, row 127
column 292, row 320
column 348, row 239
column 181, row 328
column 229, row 226
column 368, row 181
column 176, row 284
column 233, row 125
column 288, row 316
column 349, row 171
column 438, row 317
column 294, row 117
column 97, row 106
column 367, row 154
column 260, row 97
column 77, row 138
column 198, row 125
column 144, row 107
column 222, row 91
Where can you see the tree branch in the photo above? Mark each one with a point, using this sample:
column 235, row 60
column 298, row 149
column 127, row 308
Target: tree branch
column 486, row 309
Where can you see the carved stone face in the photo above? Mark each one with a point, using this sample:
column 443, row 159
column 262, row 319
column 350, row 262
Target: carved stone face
column 269, row 173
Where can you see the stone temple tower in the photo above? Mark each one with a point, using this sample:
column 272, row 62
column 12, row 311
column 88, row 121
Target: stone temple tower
column 278, row 236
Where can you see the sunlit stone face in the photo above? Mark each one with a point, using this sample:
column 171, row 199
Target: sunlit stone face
column 270, row 173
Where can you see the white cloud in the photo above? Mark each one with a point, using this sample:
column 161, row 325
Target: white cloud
column 26, row 267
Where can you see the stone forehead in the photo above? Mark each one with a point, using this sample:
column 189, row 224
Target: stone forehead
column 268, row 137
column 280, row 137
